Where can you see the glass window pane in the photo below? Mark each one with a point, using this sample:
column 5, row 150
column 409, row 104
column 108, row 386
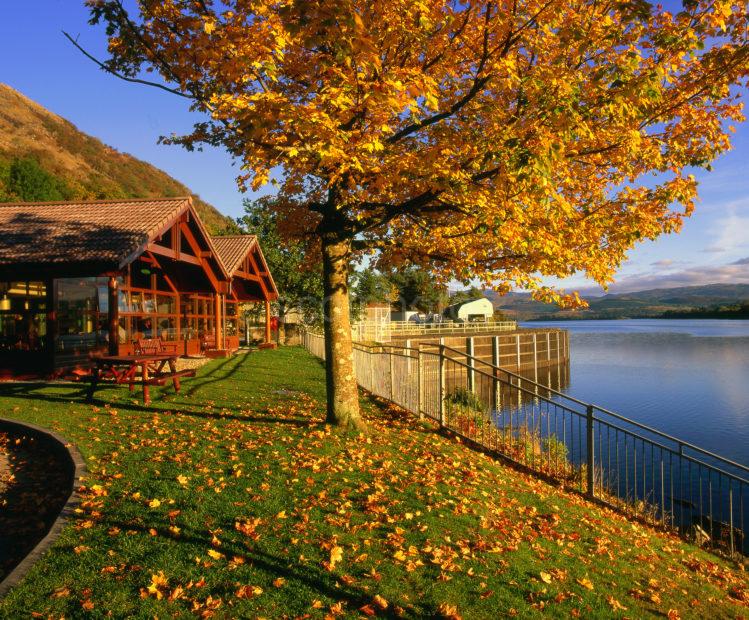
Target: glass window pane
column 166, row 304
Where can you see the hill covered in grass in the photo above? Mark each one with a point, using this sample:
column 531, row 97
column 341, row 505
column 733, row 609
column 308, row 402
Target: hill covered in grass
column 45, row 157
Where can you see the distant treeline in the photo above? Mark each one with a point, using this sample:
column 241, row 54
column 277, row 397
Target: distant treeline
column 733, row 311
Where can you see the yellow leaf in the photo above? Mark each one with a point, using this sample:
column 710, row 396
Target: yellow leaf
column 154, row 503
column 380, row 601
column 546, row 577
column 216, row 555
column 585, row 583
column 336, row 555
column 615, row 605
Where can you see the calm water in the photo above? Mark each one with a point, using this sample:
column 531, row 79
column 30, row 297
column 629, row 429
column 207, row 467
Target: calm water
column 688, row 378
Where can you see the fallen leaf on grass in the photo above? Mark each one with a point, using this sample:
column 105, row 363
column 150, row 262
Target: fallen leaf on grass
column 615, row 605
column 380, row 601
column 248, row 591
column 585, row 583
column 336, row 555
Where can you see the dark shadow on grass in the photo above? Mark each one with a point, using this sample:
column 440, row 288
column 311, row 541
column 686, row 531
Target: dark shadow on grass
column 211, row 376
column 322, row 582
column 40, row 392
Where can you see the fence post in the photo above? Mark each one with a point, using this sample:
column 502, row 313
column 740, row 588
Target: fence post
column 517, row 345
column 442, row 382
column 392, row 378
column 558, row 356
column 496, row 396
column 420, row 379
column 470, row 375
column 591, row 452
column 535, row 361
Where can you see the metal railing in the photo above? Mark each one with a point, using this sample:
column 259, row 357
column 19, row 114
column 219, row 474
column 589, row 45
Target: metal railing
column 384, row 331
column 630, row 466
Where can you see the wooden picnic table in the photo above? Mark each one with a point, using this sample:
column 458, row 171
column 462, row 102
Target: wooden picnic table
column 146, row 369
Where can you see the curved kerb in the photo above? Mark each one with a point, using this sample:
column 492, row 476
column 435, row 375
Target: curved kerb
column 71, row 459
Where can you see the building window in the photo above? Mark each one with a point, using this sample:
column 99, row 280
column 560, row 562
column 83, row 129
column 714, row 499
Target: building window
column 23, row 311
column 81, row 306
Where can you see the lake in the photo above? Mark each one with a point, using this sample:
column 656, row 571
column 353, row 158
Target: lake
column 688, row 378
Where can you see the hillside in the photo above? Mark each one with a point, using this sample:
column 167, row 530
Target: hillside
column 45, row 157
column 641, row 304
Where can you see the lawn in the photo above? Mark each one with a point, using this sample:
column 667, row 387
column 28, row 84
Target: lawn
column 234, row 499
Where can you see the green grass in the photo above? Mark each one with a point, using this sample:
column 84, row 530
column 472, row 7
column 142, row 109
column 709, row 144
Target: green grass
column 255, row 496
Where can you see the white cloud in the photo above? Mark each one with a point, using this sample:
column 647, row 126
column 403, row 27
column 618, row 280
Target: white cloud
column 731, row 232
column 666, row 262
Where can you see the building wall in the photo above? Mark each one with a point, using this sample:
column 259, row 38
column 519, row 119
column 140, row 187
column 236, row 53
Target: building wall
column 478, row 306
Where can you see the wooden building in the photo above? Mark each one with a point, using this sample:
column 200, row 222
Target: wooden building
column 78, row 279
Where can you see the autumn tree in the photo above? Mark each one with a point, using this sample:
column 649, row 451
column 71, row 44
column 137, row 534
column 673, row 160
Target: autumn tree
column 496, row 140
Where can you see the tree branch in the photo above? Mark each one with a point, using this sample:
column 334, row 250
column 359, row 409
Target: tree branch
column 111, row 71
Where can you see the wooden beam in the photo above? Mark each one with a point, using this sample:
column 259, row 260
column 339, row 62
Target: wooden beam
column 246, row 275
column 195, row 247
column 256, row 270
column 166, row 277
column 217, row 322
column 267, row 323
column 169, row 253
column 176, row 240
column 113, row 316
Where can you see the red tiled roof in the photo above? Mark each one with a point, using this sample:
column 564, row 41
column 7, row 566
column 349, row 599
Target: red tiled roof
column 71, row 232
column 233, row 249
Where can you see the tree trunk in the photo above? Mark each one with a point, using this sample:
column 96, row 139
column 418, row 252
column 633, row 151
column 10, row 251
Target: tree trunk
column 343, row 395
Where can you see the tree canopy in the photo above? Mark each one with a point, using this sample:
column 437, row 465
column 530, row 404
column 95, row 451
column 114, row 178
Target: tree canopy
column 500, row 141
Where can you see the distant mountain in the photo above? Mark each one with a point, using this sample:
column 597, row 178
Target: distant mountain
column 45, row 157
column 641, row 304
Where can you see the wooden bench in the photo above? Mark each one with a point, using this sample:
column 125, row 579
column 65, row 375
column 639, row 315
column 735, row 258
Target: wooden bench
column 207, row 342
column 153, row 346
column 145, row 369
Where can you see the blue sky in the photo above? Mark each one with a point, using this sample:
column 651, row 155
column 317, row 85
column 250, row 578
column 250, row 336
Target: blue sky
column 39, row 62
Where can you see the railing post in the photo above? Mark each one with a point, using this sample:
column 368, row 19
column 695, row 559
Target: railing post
column 442, row 383
column 591, row 492
column 517, row 346
column 420, row 379
column 470, row 375
column 535, row 361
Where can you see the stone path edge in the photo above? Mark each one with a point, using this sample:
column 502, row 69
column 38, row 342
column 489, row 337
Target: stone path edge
column 73, row 460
